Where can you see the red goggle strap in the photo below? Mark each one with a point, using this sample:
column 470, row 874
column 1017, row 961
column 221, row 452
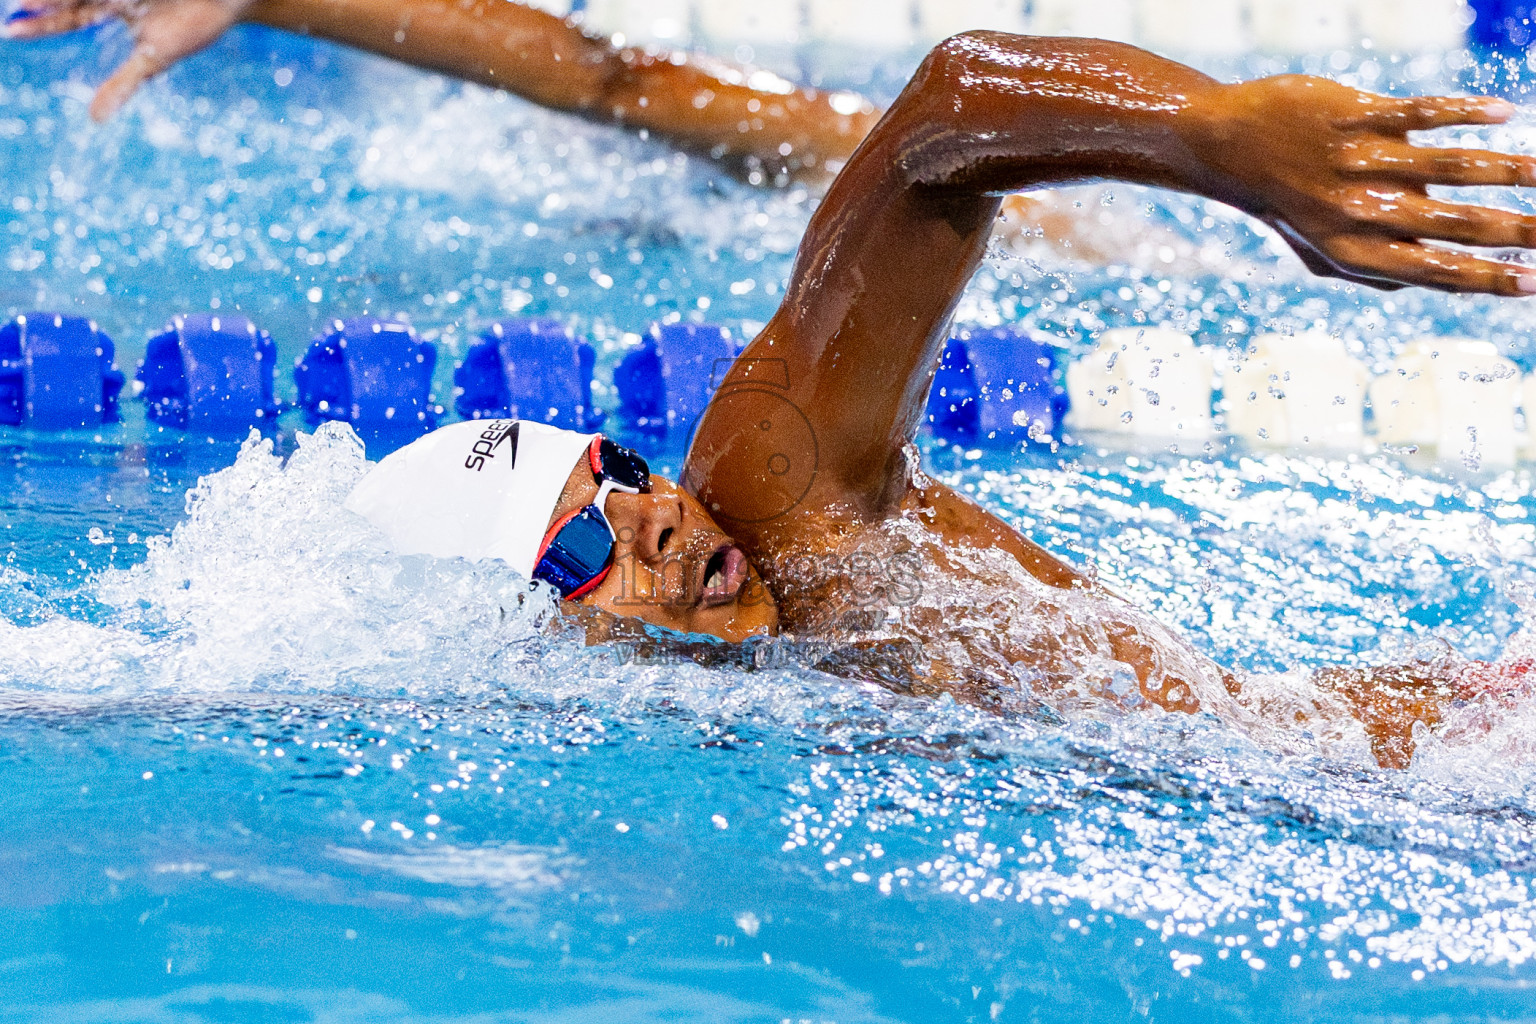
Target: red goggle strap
column 595, row 457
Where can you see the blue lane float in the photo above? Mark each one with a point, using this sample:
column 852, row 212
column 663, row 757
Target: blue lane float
column 641, row 389
column 669, row 379
column 371, row 373
column 997, row 385
column 57, row 372
column 1501, row 25
column 216, row 374
column 210, row 373
column 532, row 369
column 1501, row 34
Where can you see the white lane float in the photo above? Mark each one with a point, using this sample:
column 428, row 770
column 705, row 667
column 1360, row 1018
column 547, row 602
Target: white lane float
column 1298, row 391
column 1301, row 26
column 642, row 22
column 1414, row 26
column 1149, row 382
column 867, row 24
column 1103, row 19
column 1203, row 27
column 1527, row 447
column 1455, row 395
column 762, row 24
column 940, row 19
column 1193, row 27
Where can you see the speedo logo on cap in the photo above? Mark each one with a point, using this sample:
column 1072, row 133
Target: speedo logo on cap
column 488, row 446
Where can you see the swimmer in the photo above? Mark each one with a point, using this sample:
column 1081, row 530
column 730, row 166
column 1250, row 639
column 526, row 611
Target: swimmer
column 802, row 506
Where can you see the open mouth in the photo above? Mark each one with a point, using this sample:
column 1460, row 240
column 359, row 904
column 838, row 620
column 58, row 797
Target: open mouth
column 724, row 575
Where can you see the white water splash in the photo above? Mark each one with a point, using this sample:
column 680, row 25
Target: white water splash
column 270, row 585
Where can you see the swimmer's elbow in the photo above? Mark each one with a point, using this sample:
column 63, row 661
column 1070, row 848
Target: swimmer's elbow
column 963, row 60
column 946, row 64
column 930, row 131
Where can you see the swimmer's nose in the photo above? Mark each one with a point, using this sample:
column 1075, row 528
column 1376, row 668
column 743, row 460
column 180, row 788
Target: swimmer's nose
column 648, row 525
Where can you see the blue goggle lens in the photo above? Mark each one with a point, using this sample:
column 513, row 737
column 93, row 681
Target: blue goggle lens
column 578, row 553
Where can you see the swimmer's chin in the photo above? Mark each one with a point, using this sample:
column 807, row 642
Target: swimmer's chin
column 602, row 627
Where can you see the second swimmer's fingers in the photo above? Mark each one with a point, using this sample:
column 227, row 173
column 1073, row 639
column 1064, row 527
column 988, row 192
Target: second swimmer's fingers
column 57, row 19
column 143, row 64
column 1428, row 267
column 27, row 10
column 1421, row 165
column 1421, row 113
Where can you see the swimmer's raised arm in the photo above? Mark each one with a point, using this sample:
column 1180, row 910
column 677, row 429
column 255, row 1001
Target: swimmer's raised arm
column 903, row 229
column 702, row 104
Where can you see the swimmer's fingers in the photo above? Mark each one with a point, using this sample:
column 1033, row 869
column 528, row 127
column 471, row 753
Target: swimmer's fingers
column 38, row 20
column 1418, row 165
column 143, row 64
column 1393, row 115
column 1413, row 263
column 165, row 33
column 1411, row 216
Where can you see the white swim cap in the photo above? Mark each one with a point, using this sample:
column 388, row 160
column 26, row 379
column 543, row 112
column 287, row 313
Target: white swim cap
column 481, row 489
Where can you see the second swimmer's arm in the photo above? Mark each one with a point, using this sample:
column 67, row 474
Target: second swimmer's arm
column 733, row 114
column 696, row 102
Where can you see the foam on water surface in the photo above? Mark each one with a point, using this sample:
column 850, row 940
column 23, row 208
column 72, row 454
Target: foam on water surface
column 370, row 732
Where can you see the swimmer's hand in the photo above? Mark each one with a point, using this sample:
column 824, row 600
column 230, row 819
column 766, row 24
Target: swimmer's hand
column 1332, row 170
column 164, row 32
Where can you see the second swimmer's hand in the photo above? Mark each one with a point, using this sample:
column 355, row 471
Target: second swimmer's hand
column 164, row 31
column 1332, row 170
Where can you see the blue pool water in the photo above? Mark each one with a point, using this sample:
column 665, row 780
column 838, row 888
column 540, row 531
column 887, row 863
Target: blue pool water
column 255, row 768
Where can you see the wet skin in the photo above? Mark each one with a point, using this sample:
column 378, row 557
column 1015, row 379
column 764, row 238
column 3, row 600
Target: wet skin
column 806, row 450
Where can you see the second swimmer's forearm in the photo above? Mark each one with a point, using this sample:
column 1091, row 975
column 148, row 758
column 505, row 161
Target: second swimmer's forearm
column 712, row 106
column 492, row 42
column 550, row 61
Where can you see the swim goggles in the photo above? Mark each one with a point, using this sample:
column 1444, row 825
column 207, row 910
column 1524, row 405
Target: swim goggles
column 578, row 550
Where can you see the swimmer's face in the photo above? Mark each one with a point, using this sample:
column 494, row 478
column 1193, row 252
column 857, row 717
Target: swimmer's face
column 673, row 567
